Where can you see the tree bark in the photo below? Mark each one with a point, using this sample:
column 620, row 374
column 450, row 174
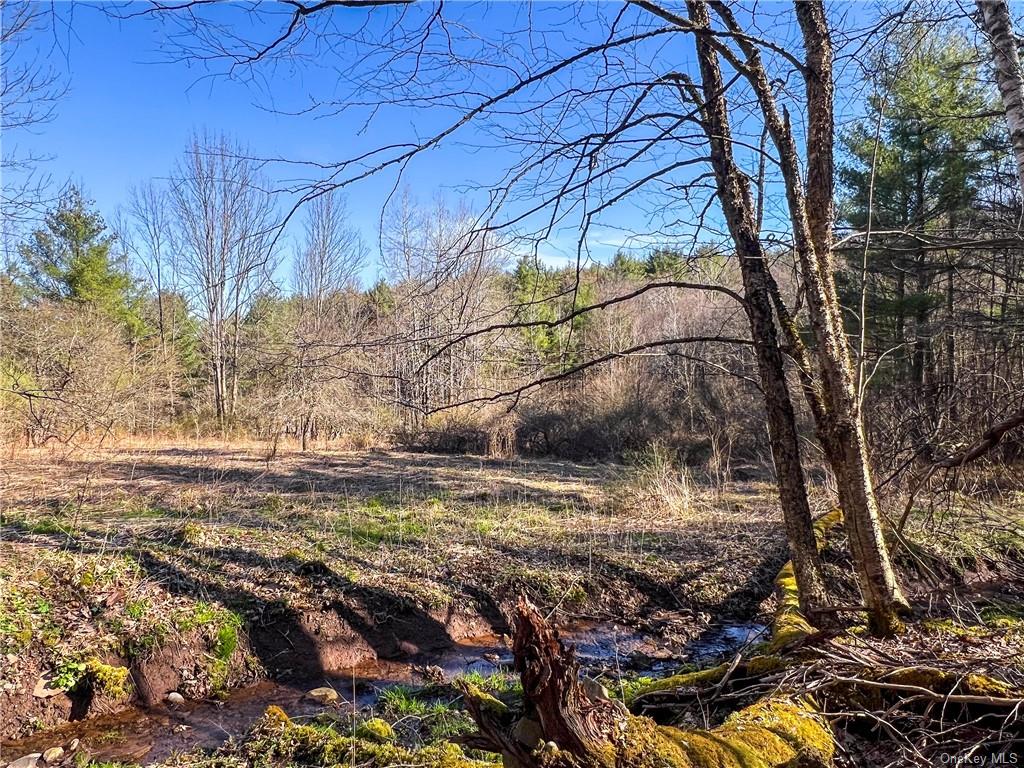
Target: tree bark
column 998, row 25
column 812, row 214
column 571, row 722
column 738, row 206
column 837, row 412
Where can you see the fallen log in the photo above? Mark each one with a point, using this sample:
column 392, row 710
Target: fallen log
column 569, row 722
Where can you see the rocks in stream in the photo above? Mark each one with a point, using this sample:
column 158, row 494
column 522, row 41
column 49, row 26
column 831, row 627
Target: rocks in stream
column 56, row 755
column 175, row 699
column 324, row 695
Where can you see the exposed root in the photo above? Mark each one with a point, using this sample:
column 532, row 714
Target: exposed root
column 569, row 723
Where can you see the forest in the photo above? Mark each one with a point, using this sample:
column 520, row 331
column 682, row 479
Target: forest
column 545, row 385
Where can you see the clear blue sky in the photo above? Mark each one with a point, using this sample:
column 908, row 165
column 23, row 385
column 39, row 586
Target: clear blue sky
column 129, row 112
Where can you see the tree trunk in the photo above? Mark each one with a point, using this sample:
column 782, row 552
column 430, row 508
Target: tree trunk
column 557, row 706
column 812, row 214
column 738, row 206
column 837, row 411
column 571, row 722
column 998, row 25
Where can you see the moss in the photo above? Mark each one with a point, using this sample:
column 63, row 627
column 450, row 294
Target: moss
column 947, row 627
column 942, row 681
column 772, row 732
column 1003, row 614
column 376, row 730
column 700, row 678
column 108, row 680
column 191, row 533
column 824, row 525
column 274, row 716
column 757, row 666
column 794, row 720
column 277, row 741
column 486, row 701
column 790, row 625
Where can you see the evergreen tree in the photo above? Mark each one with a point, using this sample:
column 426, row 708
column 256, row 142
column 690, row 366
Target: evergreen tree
column 542, row 294
column 627, row 266
column 70, row 258
column 930, row 151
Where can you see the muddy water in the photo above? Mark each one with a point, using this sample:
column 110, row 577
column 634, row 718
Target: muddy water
column 152, row 735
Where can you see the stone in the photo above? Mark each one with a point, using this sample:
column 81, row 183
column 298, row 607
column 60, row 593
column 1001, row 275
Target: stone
column 528, row 732
column 28, row 761
column 53, row 755
column 324, row 695
column 44, row 690
column 176, row 699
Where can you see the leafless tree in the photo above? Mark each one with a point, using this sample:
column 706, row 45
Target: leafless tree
column 326, row 268
column 30, row 89
column 153, row 246
column 330, row 258
column 647, row 131
column 227, row 223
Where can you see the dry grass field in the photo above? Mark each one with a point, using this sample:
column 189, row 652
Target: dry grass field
column 207, row 567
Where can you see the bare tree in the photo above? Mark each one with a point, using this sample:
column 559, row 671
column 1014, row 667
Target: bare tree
column 330, row 258
column 832, row 394
column 641, row 130
column 154, row 247
column 227, row 226
column 29, row 91
column 326, row 268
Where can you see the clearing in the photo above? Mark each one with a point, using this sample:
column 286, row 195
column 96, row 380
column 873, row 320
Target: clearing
column 204, row 570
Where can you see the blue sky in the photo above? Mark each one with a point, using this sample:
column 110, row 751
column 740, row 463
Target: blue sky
column 129, row 111
column 131, row 108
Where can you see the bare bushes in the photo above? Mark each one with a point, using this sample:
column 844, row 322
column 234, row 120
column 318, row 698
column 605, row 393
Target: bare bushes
column 491, row 432
column 67, row 371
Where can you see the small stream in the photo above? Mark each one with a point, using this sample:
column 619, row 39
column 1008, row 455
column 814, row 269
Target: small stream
column 154, row 734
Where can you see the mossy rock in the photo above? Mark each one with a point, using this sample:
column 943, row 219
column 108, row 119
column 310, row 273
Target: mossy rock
column 375, row 729
column 1002, row 614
